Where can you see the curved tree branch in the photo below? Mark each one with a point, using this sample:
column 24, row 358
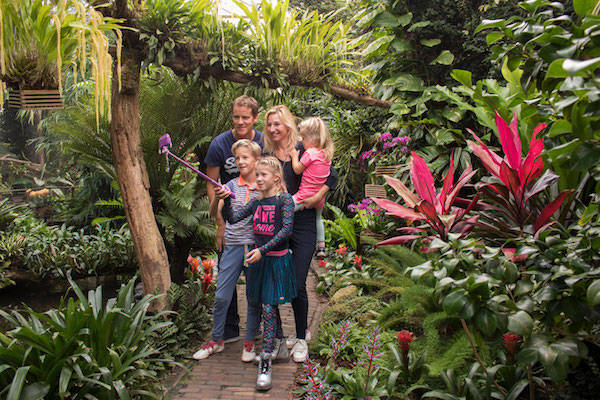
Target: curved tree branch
column 191, row 59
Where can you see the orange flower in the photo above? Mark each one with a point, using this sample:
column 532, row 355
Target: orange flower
column 194, row 264
column 208, row 264
column 357, row 261
column 208, row 279
column 323, row 264
column 341, row 250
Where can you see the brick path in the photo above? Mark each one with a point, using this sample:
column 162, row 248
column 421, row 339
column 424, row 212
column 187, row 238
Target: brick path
column 225, row 376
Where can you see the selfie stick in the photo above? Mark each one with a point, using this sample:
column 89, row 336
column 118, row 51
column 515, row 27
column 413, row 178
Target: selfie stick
column 163, row 148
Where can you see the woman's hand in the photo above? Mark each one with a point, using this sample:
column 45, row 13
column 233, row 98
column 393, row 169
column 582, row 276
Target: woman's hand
column 253, row 256
column 311, row 202
column 222, row 193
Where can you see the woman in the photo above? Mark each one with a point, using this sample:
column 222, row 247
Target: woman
column 280, row 139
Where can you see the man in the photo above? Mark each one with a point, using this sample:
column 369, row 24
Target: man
column 220, row 164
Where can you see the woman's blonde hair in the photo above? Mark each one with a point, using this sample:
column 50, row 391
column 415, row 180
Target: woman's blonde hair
column 288, row 120
column 251, row 145
column 274, row 165
column 315, row 130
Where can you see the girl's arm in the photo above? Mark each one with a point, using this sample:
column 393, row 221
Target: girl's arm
column 215, row 206
column 297, row 166
column 286, row 229
column 232, row 217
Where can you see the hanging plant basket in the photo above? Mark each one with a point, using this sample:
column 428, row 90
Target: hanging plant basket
column 377, row 191
column 381, row 170
column 30, row 99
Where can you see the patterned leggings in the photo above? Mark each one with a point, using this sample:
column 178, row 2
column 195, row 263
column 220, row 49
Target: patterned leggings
column 269, row 327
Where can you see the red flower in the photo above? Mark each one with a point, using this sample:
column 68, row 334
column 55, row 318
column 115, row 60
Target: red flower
column 208, row 279
column 194, row 264
column 357, row 261
column 511, row 341
column 404, row 339
column 341, row 250
column 323, row 264
column 208, row 265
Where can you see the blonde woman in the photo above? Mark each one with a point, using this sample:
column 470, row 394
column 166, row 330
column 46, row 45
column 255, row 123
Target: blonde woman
column 281, row 140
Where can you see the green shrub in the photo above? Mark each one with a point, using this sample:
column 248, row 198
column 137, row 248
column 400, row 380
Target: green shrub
column 82, row 349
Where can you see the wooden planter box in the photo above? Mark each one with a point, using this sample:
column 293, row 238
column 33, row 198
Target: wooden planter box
column 24, row 99
column 381, row 170
column 375, row 191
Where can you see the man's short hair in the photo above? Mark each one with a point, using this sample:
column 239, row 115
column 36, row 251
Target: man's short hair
column 247, row 101
column 251, row 145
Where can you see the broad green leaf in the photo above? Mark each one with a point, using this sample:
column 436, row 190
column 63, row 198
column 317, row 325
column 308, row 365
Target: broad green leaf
column 417, row 25
column 35, row 391
column 16, row 386
column 574, row 66
column 399, row 109
column 493, row 37
column 378, row 46
column 463, row 77
column 593, row 293
column 590, row 212
column 584, row 7
column 490, row 23
column 444, row 58
column 386, row 20
column 559, row 127
column 520, row 323
column 457, row 304
column 556, row 70
column 486, row 321
column 405, row 82
column 430, row 42
column 405, row 19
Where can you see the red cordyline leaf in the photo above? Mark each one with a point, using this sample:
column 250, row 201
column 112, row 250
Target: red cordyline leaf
column 464, row 178
column 507, row 140
column 407, row 195
column 411, row 229
column 531, row 164
column 397, row 210
column 514, row 129
column 448, row 181
column 491, row 161
column 398, row 240
column 550, row 209
column 510, row 178
column 465, row 226
column 423, row 180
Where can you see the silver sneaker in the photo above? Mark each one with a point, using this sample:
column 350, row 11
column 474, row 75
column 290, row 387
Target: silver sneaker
column 264, row 380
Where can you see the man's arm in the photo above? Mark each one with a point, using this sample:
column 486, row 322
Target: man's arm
column 213, row 172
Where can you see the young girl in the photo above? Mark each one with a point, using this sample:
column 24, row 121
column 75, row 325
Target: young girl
column 314, row 165
column 271, row 275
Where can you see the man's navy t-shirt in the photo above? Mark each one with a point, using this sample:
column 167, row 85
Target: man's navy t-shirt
column 219, row 154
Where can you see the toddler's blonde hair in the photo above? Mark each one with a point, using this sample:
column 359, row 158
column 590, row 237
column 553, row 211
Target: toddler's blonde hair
column 247, row 144
column 274, row 165
column 315, row 130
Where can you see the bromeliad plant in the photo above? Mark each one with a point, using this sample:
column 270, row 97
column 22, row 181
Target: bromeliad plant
column 438, row 211
column 516, row 184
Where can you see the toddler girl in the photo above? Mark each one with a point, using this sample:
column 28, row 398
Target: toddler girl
column 314, row 165
column 271, row 274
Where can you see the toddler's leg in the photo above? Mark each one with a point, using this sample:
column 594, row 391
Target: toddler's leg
column 297, row 205
column 320, row 229
column 269, row 327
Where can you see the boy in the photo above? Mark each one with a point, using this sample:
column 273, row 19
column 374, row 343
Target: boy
column 238, row 237
column 220, row 163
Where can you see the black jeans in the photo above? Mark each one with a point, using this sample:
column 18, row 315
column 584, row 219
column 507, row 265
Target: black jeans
column 302, row 244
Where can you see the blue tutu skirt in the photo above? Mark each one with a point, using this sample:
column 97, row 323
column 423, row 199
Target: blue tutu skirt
column 272, row 280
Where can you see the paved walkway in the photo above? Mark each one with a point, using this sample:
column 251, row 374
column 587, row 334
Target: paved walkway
column 225, row 376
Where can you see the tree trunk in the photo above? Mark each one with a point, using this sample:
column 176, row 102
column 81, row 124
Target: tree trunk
column 133, row 178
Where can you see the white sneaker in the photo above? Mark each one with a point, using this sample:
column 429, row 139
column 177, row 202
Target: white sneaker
column 300, row 351
column 249, row 352
column 290, row 342
column 209, row 348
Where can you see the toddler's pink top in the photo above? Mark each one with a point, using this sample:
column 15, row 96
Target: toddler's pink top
column 315, row 174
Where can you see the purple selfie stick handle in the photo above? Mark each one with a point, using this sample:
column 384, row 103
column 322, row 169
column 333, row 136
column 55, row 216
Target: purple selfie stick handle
column 202, row 175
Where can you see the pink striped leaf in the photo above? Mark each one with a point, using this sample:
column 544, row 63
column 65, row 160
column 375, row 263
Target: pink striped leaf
column 423, row 180
column 399, row 240
column 397, row 210
column 407, row 195
column 448, row 181
column 508, row 143
column 487, row 157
